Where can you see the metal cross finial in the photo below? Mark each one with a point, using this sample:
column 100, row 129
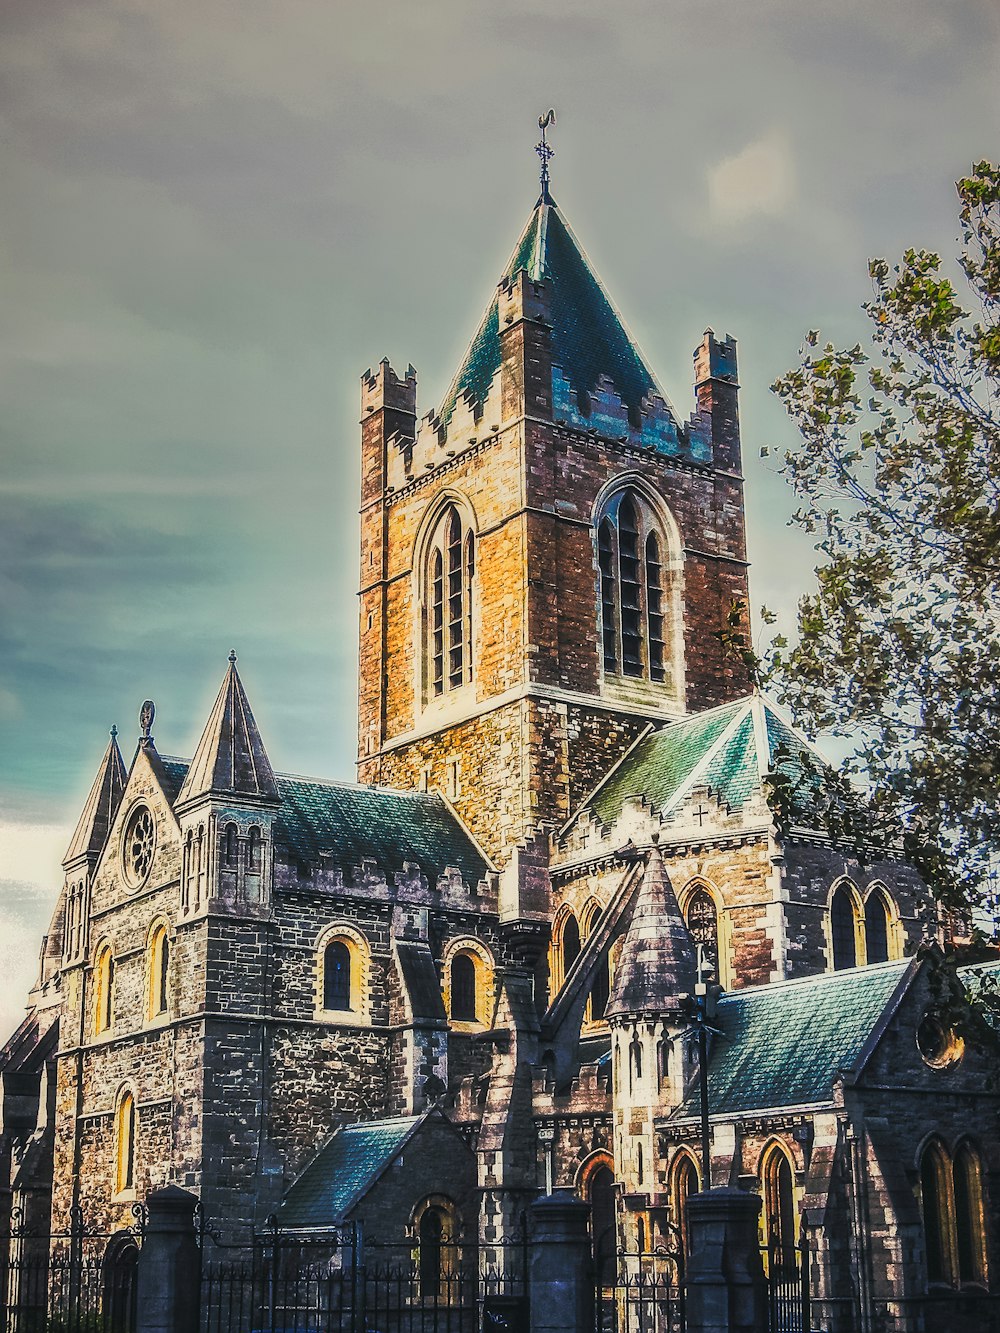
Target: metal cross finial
column 146, row 715
column 545, row 151
column 232, row 656
column 114, row 733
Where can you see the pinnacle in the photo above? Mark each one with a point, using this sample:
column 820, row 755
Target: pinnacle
column 230, row 758
column 657, row 963
column 101, row 806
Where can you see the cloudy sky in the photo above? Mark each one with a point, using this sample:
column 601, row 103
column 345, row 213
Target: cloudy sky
column 215, row 214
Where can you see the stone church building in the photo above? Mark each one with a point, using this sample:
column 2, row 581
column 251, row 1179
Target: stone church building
column 463, row 980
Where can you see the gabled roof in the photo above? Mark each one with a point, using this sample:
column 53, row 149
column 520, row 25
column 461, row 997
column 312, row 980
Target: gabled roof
column 728, row 749
column 101, row 806
column 784, row 1044
column 345, row 1168
column 589, row 338
column 230, row 758
column 349, row 823
column 656, row 965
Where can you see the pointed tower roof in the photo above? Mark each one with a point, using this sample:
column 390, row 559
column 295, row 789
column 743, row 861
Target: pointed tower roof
column 230, row 758
column 101, row 806
column 657, row 961
column 589, row 337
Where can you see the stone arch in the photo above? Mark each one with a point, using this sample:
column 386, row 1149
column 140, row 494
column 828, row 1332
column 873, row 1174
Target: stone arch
column 688, row 898
column 883, row 929
column 342, row 946
column 463, row 947
column 159, row 947
column 845, row 918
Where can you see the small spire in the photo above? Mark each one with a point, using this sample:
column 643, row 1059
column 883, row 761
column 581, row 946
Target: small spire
column 545, row 152
column 230, row 758
column 94, row 824
column 657, row 961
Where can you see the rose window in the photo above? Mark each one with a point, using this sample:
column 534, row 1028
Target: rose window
column 138, row 844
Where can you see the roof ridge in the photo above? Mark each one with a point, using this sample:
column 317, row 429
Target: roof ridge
column 785, row 983
column 723, row 738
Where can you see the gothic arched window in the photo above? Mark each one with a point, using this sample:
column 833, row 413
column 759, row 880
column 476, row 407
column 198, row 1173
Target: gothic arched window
column 337, row 976
column 703, row 924
column 843, row 933
column 635, row 589
column 229, row 847
column 104, row 982
column 970, row 1216
column 158, row 953
column 779, row 1209
column 463, row 988
column 570, row 944
column 684, row 1183
column 939, row 1221
column 451, row 569
column 878, row 927
column 125, row 1144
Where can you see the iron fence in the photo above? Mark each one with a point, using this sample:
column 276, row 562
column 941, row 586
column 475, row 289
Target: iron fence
column 73, row 1281
column 786, row 1267
column 640, row 1292
column 334, row 1283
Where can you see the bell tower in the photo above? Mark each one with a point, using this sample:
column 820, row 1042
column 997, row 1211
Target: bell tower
column 547, row 557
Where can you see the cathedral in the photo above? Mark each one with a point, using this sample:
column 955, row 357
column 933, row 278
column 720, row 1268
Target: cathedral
column 426, row 997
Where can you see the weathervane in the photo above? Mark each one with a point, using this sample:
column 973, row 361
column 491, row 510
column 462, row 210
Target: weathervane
column 545, row 151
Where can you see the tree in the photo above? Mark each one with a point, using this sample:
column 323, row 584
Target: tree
column 897, row 473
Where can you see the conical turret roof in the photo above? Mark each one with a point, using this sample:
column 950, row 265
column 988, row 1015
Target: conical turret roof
column 657, row 963
column 589, row 338
column 230, row 758
column 101, row 806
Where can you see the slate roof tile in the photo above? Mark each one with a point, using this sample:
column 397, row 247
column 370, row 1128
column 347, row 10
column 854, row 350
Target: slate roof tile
column 589, row 338
column 342, row 1170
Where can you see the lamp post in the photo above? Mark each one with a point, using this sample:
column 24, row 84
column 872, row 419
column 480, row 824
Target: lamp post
column 706, row 998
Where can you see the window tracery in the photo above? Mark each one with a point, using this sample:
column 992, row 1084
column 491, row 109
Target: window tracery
column 635, row 589
column 449, row 600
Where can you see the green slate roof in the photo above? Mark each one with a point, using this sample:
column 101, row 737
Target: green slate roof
column 729, row 750
column 589, row 338
column 343, row 1169
column 783, row 1044
column 350, row 823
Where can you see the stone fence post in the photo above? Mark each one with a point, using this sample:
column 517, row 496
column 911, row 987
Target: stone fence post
column 562, row 1284
column 726, row 1288
column 167, row 1292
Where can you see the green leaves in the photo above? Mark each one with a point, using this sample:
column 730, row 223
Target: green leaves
column 897, row 475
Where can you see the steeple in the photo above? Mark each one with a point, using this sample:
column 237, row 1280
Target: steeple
column 589, row 339
column 101, row 805
column 230, row 758
column 657, row 962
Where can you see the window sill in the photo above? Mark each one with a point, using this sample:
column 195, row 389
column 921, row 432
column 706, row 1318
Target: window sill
column 343, row 1018
column 125, row 1196
column 466, row 1025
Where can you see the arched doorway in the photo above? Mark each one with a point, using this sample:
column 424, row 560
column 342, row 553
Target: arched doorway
column 121, row 1260
column 599, row 1191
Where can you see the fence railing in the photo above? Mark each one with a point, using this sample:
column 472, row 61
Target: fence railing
column 639, row 1292
column 336, row 1284
column 786, row 1267
column 73, row 1281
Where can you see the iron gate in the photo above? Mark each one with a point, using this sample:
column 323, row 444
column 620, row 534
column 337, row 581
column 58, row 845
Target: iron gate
column 74, row 1281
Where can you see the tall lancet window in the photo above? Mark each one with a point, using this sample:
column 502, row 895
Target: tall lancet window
column 638, row 590
column 451, row 572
